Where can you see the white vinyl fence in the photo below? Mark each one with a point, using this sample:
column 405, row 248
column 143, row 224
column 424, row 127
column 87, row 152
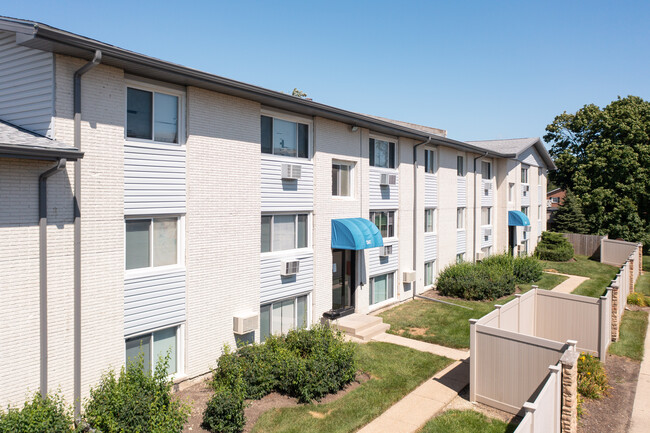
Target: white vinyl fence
column 547, row 402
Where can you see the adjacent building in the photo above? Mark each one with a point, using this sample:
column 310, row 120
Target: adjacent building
column 186, row 211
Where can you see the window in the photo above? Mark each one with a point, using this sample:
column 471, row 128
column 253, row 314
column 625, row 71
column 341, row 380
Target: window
column 524, row 210
column 555, row 199
column 282, row 316
column 429, row 161
column 428, row 272
column 341, row 179
column 151, row 115
column 151, row 242
column 486, row 216
column 284, row 138
column 460, row 258
column 385, row 222
column 486, row 170
column 382, row 153
column 284, row 232
column 429, row 220
column 460, row 165
column 460, row 218
column 511, row 192
column 524, row 174
column 381, row 288
column 155, row 346
column 540, row 175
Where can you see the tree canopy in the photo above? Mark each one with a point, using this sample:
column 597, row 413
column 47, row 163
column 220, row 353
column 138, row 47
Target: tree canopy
column 603, row 156
column 569, row 217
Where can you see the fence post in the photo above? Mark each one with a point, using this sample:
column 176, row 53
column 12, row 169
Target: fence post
column 498, row 307
column 604, row 334
column 530, row 408
column 569, row 360
column 556, row 371
column 473, row 362
column 640, row 249
column 631, row 289
column 615, row 294
column 518, row 297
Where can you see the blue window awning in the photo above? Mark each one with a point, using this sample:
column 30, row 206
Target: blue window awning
column 355, row 234
column 517, row 218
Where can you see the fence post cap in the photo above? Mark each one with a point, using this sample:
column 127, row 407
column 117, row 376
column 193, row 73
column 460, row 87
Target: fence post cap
column 498, row 306
column 518, row 295
column 534, row 286
column 615, row 286
column 530, row 407
column 569, row 357
column 473, row 321
column 554, row 368
column 572, row 343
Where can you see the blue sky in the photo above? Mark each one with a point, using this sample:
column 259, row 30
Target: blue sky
column 480, row 69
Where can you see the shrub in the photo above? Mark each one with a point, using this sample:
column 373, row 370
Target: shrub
column 492, row 278
column 527, row 269
column 554, row 247
column 136, row 401
column 592, row 379
column 252, row 366
column 637, row 298
column 39, row 415
column 225, row 411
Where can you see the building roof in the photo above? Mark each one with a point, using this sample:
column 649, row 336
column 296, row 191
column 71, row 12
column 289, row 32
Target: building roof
column 18, row 142
column 43, row 37
column 516, row 146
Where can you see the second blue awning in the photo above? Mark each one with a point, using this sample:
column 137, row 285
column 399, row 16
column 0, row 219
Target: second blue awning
column 355, row 234
column 517, row 218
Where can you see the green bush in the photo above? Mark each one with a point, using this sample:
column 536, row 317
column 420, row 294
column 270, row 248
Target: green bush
column 637, row 299
column 554, row 247
column 490, row 279
column 136, row 401
column 39, row 415
column 592, row 379
column 527, row 269
column 225, row 411
column 252, row 365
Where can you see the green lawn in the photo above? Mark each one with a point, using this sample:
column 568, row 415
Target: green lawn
column 466, row 421
column 643, row 284
column 600, row 274
column 646, row 263
column 547, row 282
column 631, row 336
column 395, row 371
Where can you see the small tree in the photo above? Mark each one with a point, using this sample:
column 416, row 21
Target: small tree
column 298, row 93
column 569, row 217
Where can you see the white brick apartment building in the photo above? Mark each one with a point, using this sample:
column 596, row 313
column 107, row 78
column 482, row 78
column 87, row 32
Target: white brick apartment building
column 202, row 199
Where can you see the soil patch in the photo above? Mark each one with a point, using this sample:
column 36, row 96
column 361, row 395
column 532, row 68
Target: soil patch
column 612, row 413
column 199, row 395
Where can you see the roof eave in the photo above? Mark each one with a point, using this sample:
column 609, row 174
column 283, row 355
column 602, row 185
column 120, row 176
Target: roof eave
column 13, row 151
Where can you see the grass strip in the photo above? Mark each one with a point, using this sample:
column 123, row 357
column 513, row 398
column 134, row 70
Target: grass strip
column 631, row 335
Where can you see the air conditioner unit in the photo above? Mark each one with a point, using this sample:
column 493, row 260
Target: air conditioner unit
column 291, row 171
column 488, row 185
column 388, row 179
column 487, row 232
column 528, row 228
column 480, row 255
column 385, row 251
column 245, row 323
column 290, row 267
column 408, row 276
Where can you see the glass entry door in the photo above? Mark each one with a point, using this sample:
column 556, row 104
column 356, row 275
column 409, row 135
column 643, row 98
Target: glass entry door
column 343, row 262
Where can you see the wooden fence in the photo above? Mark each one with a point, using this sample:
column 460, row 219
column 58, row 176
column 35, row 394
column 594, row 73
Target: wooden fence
column 585, row 245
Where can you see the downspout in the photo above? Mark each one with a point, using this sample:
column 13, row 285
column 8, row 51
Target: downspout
column 77, row 230
column 415, row 210
column 474, row 209
column 42, row 263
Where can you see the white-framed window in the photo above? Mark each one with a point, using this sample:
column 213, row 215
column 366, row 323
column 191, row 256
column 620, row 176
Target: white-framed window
column 555, row 199
column 486, row 216
column 382, row 153
column 154, row 346
column 342, row 179
column 385, row 222
column 540, row 175
column 511, row 192
column 280, row 317
column 486, row 170
column 460, row 218
column 429, row 161
column 152, row 115
column 152, row 242
column 284, row 137
column 460, row 165
column 285, row 232
column 524, row 174
column 487, row 251
column 430, row 220
column 382, row 288
column 460, row 257
column 429, row 270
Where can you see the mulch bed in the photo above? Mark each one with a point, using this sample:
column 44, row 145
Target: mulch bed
column 199, row 395
column 612, row 413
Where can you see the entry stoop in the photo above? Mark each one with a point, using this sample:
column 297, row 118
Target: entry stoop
column 361, row 326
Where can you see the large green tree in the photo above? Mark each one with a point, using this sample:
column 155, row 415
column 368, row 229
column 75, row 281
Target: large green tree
column 603, row 156
column 569, row 217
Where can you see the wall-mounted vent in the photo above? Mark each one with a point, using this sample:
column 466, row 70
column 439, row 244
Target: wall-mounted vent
column 290, row 267
column 385, row 251
column 408, row 276
column 245, row 323
column 291, row 171
column 388, row 179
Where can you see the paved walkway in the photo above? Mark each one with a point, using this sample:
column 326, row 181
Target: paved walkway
column 410, row 413
column 641, row 411
column 570, row 284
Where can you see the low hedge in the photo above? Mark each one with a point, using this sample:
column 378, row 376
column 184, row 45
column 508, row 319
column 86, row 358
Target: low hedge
column 554, row 247
column 38, row 415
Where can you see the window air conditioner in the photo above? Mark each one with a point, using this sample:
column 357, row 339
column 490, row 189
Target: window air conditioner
column 487, row 232
column 290, row 267
column 388, row 179
column 385, row 251
column 291, row 171
column 408, row 276
column 480, row 255
column 245, row 323
column 528, row 228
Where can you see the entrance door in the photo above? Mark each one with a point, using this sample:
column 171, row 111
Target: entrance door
column 343, row 279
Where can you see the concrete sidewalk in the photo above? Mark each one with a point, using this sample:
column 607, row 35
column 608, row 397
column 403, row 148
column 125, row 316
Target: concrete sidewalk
column 641, row 412
column 568, row 285
column 422, row 346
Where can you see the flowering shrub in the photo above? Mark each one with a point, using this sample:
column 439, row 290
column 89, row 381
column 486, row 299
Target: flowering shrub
column 592, row 379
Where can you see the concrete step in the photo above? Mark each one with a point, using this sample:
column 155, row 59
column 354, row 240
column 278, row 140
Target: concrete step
column 355, row 323
column 368, row 333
